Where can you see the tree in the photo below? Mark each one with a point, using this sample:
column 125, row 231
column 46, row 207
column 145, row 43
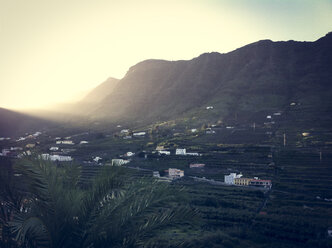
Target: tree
column 111, row 210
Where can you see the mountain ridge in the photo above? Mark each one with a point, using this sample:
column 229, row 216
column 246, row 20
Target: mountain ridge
column 156, row 89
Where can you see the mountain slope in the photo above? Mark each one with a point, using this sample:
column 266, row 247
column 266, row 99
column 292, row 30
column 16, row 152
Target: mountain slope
column 260, row 76
column 14, row 123
column 101, row 91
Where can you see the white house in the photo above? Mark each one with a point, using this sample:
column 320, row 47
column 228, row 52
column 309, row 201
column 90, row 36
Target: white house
column 96, row 159
column 155, row 174
column 139, row 134
column 209, row 107
column 130, row 154
column 119, row 162
column 180, row 151
column 54, row 148
column 65, row 142
column 124, row 131
column 84, row 142
column 4, row 152
column 269, row 117
column 230, row 179
column 164, row 152
column 210, row 132
column 192, row 154
column 194, row 130
column 61, row 158
column 175, row 173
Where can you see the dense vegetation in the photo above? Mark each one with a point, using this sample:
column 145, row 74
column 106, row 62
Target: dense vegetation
column 50, row 206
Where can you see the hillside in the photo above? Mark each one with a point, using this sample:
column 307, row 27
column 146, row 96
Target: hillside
column 261, row 76
column 14, row 123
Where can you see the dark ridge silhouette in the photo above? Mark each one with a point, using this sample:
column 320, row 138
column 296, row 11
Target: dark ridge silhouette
column 13, row 123
column 264, row 75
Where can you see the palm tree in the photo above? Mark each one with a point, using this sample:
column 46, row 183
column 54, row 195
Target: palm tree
column 115, row 209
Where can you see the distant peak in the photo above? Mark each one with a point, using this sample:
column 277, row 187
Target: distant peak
column 327, row 37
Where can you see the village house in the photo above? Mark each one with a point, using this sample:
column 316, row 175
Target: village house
column 123, row 131
column 4, row 152
column 192, row 154
column 119, row 162
column 130, row 154
column 209, row 107
column 84, row 142
column 196, row 166
column 230, row 179
column 210, row 131
column 180, row 151
column 60, row 158
column 139, row 134
column 164, row 152
column 242, row 181
column 65, row 142
column 97, row 159
column 54, row 148
column 260, row 183
column 156, row 174
column 16, row 148
column 160, row 148
column 175, row 173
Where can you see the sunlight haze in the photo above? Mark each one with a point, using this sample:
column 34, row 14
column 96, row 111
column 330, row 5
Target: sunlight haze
column 55, row 51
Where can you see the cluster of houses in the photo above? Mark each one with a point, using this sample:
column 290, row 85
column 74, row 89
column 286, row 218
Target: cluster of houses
column 59, row 158
column 179, row 151
column 237, row 179
column 127, row 134
column 171, row 174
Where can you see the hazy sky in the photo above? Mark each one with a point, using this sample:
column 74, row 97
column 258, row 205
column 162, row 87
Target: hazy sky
column 52, row 50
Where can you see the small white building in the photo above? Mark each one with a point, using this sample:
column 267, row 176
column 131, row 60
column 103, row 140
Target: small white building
column 65, row 142
column 230, row 179
column 192, row 154
column 164, row 152
column 130, row 154
column 54, row 148
column 36, row 134
column 268, row 117
column 61, row 158
column 139, row 134
column 175, row 173
column 180, row 151
column 84, row 142
column 210, row 132
column 5, row 152
column 124, row 131
column 194, row 130
column 119, row 162
column 96, row 159
column 197, row 165
column 156, row 174
column 209, row 107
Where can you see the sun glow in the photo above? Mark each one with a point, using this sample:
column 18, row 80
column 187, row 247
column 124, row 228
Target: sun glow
column 52, row 51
